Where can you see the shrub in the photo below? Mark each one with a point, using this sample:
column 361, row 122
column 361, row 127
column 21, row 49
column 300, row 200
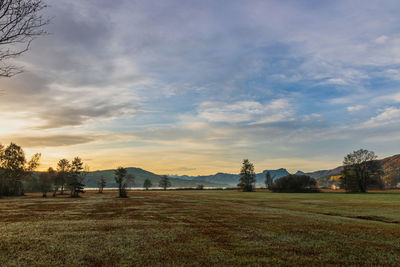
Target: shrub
column 295, row 184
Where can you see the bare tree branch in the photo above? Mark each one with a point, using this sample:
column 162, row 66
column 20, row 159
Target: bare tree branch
column 20, row 23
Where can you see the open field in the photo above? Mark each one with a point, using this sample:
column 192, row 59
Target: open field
column 193, row 228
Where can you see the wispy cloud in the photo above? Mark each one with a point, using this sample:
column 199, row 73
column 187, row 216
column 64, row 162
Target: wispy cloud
column 355, row 108
column 251, row 112
column 389, row 115
column 50, row 140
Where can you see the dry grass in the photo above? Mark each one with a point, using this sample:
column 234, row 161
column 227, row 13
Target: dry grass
column 201, row 228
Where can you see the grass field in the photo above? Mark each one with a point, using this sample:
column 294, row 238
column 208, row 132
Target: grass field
column 201, row 228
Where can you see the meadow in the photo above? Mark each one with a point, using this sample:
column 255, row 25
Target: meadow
column 201, row 228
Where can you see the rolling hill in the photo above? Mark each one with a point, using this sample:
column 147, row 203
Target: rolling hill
column 233, row 179
column 141, row 175
column 324, row 176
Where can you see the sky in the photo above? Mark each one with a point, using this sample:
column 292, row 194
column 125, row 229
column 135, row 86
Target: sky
column 194, row 87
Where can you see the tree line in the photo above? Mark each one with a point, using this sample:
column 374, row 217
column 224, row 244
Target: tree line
column 122, row 178
column 14, row 169
column 361, row 171
column 291, row 183
column 17, row 175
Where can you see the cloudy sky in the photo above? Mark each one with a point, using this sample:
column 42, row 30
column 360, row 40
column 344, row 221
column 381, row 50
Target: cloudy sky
column 193, row 87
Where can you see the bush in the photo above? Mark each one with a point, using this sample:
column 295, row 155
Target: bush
column 295, row 184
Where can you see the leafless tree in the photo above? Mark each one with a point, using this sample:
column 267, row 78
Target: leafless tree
column 101, row 184
column 164, row 182
column 21, row 21
column 120, row 176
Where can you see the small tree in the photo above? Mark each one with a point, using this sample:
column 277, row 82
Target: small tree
column 247, row 177
column 101, row 184
column 164, row 182
column 63, row 171
column 76, row 177
column 54, row 178
column 45, row 181
column 120, row 178
column 268, row 180
column 147, row 183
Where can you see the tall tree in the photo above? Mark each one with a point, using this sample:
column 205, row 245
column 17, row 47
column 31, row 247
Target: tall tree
column 247, row 177
column 147, row 183
column 268, row 180
column 101, row 184
column 76, row 177
column 164, row 182
column 63, row 171
column 120, row 175
column 20, row 22
column 45, row 181
column 359, row 168
column 54, row 178
column 15, row 168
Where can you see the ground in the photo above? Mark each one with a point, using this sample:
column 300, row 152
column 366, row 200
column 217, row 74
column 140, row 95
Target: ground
column 201, row 228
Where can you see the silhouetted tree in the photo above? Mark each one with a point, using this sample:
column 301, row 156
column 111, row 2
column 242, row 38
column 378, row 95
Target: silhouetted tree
column 15, row 169
column 247, row 177
column 31, row 184
column 147, row 183
column 45, row 181
column 54, row 181
column 120, row 178
column 75, row 177
column 20, row 23
column 268, row 180
column 359, row 169
column 101, row 184
column 164, row 182
column 63, row 171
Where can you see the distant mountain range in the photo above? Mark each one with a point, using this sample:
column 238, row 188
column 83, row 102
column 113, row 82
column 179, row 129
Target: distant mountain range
column 233, row 179
column 222, row 179
column 141, row 175
column 323, row 176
